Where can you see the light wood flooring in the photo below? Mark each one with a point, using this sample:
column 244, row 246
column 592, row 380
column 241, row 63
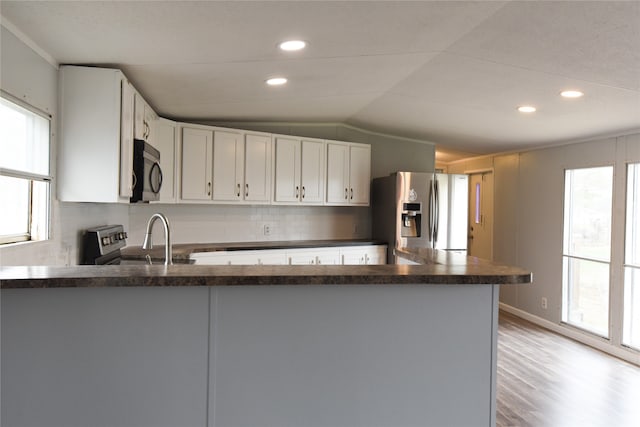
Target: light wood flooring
column 545, row 379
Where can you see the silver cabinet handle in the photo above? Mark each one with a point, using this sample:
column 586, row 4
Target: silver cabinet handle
column 346, row 193
column 209, row 190
column 297, row 191
column 246, row 193
column 238, row 190
column 303, row 192
column 352, row 194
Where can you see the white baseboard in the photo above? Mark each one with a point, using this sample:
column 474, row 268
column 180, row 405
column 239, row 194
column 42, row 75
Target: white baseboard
column 597, row 343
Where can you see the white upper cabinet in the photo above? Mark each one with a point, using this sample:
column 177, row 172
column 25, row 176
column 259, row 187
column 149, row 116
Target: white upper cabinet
column 225, row 165
column 299, row 170
column 145, row 121
column 257, row 168
column 241, row 166
column 228, row 166
column 166, row 143
column 359, row 174
column 126, row 139
column 196, row 160
column 348, row 173
column 312, row 172
column 95, row 151
column 337, row 173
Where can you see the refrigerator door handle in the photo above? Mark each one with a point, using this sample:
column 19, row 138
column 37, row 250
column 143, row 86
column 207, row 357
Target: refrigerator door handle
column 436, row 215
column 431, row 210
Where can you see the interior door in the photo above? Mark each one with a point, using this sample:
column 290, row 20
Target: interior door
column 481, row 215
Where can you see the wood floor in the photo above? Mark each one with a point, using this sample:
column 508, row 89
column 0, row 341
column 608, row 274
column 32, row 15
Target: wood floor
column 545, row 379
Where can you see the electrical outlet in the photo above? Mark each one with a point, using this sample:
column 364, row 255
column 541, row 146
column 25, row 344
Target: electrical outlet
column 543, row 302
column 267, row 230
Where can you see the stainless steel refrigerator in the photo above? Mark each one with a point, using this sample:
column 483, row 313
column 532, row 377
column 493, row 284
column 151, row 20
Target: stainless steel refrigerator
column 417, row 209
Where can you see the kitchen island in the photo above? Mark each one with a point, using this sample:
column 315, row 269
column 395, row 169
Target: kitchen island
column 391, row 345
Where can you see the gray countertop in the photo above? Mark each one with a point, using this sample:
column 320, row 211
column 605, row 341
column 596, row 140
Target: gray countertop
column 438, row 268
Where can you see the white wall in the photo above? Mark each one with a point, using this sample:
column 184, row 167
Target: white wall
column 528, row 223
column 27, row 76
column 389, row 153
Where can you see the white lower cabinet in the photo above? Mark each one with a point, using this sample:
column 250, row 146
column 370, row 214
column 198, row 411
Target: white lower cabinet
column 363, row 255
column 252, row 257
column 349, row 255
column 314, row 256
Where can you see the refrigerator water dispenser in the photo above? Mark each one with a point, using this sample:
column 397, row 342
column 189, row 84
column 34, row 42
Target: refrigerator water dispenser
column 411, row 220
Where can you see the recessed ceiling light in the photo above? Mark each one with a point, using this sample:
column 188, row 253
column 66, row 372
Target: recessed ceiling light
column 571, row 94
column 527, row 109
column 291, row 45
column 276, row 81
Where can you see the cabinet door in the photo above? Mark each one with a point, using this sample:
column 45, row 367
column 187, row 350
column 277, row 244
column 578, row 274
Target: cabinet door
column 165, row 142
column 327, row 256
column 139, row 128
column 126, row 139
column 375, row 255
column 287, row 170
column 337, row 173
column 312, row 172
column 257, row 168
column 228, row 166
column 359, row 174
column 301, row 257
column 151, row 122
column 352, row 255
column 197, row 153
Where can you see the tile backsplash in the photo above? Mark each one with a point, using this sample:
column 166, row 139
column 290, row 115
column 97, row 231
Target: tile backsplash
column 189, row 224
column 236, row 223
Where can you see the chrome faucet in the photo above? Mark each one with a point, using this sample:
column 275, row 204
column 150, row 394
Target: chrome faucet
column 148, row 240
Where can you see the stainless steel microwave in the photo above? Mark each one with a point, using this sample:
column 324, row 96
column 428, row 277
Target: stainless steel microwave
column 147, row 174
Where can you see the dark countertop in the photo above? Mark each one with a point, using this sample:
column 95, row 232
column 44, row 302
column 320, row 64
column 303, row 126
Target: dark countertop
column 182, row 251
column 440, row 268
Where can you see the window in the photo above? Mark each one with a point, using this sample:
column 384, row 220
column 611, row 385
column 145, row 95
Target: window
column 24, row 174
column 587, row 248
column 631, row 325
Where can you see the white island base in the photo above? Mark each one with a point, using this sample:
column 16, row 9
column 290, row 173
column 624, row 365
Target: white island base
column 253, row 356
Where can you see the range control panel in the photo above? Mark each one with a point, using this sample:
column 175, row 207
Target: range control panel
column 103, row 240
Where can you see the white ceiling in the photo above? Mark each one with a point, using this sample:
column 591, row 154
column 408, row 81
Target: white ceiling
column 450, row 72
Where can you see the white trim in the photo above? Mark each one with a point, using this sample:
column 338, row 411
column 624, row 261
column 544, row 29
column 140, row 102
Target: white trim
column 582, row 337
column 26, row 40
column 479, row 171
column 223, row 123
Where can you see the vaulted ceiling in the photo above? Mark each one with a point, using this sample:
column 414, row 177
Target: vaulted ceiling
column 450, row 72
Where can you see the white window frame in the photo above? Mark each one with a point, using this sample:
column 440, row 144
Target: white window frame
column 628, row 263
column 567, row 256
column 44, row 222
